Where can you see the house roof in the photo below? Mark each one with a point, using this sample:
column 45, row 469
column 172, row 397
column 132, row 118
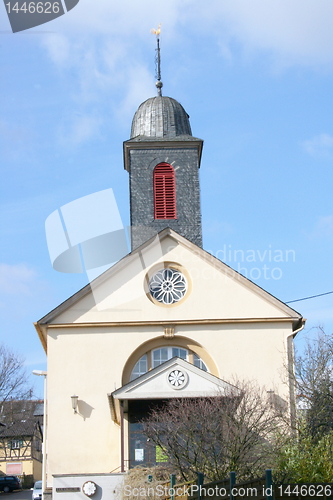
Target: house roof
column 160, row 116
column 18, row 418
column 17, row 429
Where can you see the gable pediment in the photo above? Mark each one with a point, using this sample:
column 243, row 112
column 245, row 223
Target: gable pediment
column 174, row 379
column 216, row 292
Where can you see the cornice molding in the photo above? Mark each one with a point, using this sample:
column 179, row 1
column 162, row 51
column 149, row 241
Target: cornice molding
column 172, row 323
column 165, row 144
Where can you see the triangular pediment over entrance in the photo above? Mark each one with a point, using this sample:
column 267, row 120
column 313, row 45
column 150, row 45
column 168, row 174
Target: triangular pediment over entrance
column 175, row 378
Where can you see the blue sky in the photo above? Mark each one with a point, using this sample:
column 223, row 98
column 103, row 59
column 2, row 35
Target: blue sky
column 256, row 78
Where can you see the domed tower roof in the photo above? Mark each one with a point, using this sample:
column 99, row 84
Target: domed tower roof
column 161, row 116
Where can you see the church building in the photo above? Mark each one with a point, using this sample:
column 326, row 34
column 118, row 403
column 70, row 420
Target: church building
column 168, row 320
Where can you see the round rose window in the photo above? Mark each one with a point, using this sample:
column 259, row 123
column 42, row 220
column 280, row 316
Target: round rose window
column 168, row 286
column 177, row 379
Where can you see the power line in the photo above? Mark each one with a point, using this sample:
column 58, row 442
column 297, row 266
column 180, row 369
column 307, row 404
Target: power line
column 306, row 298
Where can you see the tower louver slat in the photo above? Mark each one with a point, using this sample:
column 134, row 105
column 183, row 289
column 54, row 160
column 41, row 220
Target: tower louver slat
column 164, row 192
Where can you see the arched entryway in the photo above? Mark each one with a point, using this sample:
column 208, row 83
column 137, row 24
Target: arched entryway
column 176, row 378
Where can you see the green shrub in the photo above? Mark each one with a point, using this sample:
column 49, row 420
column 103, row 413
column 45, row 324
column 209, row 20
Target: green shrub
column 306, row 461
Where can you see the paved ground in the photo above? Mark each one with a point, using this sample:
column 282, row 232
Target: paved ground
column 16, row 495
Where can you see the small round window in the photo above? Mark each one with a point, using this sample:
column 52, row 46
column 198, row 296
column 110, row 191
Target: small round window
column 168, row 286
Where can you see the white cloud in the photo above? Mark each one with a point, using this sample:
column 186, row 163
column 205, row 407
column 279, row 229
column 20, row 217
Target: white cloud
column 218, row 227
column 17, row 279
column 21, row 291
column 139, row 88
column 15, row 140
column 101, row 65
column 323, row 228
column 297, row 32
column 127, row 19
column 58, row 47
column 103, row 45
column 79, row 129
column 319, row 146
column 84, row 127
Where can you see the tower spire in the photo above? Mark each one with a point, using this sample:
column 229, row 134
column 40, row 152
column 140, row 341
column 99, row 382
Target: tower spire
column 159, row 83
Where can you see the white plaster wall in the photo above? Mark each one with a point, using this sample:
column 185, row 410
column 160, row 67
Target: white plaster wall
column 89, row 362
column 108, row 486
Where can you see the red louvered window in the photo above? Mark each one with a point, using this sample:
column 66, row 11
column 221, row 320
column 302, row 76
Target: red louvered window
column 164, row 192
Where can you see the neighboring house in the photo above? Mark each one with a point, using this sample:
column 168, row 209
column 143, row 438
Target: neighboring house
column 21, row 439
column 169, row 320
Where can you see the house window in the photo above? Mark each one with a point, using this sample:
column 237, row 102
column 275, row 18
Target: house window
column 164, row 353
column 199, row 363
column 15, row 444
column 156, row 357
column 37, row 444
column 164, row 192
column 140, row 368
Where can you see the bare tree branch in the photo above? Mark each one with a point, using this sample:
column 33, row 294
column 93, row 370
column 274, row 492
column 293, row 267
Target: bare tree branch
column 13, row 376
column 217, row 434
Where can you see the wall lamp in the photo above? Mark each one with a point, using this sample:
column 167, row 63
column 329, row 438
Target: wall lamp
column 74, row 402
column 39, row 373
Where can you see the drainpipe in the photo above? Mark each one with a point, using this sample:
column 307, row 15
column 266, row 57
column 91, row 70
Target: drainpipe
column 122, row 454
column 291, row 372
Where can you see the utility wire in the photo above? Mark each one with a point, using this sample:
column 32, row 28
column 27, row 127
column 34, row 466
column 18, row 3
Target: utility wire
column 306, row 298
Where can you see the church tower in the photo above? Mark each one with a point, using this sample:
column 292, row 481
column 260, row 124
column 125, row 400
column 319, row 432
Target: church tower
column 163, row 159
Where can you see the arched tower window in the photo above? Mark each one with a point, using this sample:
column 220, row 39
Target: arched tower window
column 164, row 192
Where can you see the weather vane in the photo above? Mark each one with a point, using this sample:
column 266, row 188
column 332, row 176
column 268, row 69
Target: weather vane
column 159, row 83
